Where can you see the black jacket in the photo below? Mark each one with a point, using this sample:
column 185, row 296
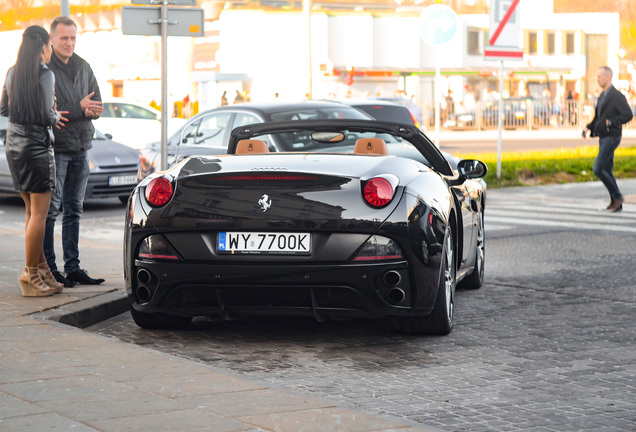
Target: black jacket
column 73, row 82
column 615, row 109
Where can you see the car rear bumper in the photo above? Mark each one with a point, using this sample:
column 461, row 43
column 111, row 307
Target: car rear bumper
column 99, row 185
column 321, row 291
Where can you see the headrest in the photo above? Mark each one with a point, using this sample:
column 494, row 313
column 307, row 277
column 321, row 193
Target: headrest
column 250, row 146
column 371, row 146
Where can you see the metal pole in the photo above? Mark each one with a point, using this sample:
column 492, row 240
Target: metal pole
column 307, row 13
column 436, row 95
column 164, row 85
column 501, row 114
column 65, row 9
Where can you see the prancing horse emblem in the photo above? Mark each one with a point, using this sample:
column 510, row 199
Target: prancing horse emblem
column 265, row 202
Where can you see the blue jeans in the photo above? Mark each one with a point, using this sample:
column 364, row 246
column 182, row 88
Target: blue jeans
column 72, row 175
column 604, row 164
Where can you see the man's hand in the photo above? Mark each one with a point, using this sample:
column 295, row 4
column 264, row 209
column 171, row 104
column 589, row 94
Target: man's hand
column 90, row 107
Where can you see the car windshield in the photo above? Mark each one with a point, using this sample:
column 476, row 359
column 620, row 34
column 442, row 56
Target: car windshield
column 308, row 141
column 97, row 135
column 126, row 110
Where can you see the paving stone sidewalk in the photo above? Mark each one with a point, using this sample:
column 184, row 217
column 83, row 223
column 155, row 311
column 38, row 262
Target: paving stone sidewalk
column 57, row 377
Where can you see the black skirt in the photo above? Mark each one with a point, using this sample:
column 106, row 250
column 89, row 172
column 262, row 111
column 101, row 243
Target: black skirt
column 30, row 158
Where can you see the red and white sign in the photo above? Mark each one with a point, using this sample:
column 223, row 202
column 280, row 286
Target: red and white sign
column 505, row 27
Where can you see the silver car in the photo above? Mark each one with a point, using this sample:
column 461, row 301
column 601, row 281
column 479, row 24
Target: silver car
column 113, row 167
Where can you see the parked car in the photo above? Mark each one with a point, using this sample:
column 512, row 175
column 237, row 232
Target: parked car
column 208, row 132
column 114, row 168
column 329, row 226
column 133, row 124
column 415, row 110
column 383, row 110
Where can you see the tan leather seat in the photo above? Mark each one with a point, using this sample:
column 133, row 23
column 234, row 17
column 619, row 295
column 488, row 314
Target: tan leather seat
column 250, row 146
column 371, row 146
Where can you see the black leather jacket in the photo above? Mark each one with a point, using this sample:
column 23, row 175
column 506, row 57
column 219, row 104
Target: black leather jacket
column 38, row 132
column 73, row 82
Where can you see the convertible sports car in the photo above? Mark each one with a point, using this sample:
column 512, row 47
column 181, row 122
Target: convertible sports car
column 331, row 226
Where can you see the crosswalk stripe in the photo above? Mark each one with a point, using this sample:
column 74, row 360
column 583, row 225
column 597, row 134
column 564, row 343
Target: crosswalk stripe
column 491, row 219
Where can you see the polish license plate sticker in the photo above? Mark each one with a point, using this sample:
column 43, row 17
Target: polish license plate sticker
column 264, row 243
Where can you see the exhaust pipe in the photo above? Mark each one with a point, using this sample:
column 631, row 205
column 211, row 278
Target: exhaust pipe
column 396, row 295
column 143, row 276
column 144, row 292
column 392, row 278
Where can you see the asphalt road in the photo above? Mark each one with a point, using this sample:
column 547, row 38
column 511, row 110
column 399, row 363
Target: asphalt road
column 547, row 344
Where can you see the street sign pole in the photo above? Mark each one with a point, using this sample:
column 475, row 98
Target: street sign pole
column 155, row 21
column 437, row 94
column 503, row 44
column 438, row 24
column 164, row 85
column 499, row 141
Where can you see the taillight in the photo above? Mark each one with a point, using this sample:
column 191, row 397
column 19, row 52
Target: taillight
column 378, row 192
column 379, row 248
column 156, row 247
column 158, row 191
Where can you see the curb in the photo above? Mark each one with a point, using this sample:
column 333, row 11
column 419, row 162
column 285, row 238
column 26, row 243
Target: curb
column 87, row 312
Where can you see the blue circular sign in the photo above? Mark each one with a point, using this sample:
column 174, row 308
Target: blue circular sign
column 438, row 24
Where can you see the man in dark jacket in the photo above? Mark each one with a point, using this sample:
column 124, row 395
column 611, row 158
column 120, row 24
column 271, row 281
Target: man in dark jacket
column 77, row 92
column 612, row 111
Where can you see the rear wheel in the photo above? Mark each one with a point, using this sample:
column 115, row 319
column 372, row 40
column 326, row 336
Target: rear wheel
column 476, row 278
column 159, row 320
column 440, row 321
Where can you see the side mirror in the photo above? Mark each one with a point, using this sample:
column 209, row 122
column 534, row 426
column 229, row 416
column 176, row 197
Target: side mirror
column 472, row 169
column 468, row 169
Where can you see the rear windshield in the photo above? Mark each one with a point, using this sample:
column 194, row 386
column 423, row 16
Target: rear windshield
column 319, row 113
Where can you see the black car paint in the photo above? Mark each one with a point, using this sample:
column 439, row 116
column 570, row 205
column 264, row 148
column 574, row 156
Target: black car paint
column 202, row 282
column 341, row 231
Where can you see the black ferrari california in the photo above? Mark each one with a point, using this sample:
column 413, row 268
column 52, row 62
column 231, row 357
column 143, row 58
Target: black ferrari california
column 334, row 225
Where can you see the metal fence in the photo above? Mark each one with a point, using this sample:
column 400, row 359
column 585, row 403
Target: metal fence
column 518, row 114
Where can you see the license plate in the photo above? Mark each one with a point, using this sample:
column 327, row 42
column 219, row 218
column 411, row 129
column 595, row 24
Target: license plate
column 122, row 180
column 264, row 243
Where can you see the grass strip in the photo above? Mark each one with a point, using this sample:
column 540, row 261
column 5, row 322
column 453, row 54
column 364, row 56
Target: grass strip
column 562, row 165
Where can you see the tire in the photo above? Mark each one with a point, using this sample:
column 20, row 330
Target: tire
column 159, row 320
column 476, row 279
column 440, row 321
column 123, row 199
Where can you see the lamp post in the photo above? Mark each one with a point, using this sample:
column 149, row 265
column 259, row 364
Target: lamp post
column 64, row 8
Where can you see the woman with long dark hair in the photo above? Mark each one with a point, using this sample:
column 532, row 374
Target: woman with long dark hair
column 28, row 99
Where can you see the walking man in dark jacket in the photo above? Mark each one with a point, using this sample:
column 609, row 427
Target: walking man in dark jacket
column 612, row 111
column 77, row 92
